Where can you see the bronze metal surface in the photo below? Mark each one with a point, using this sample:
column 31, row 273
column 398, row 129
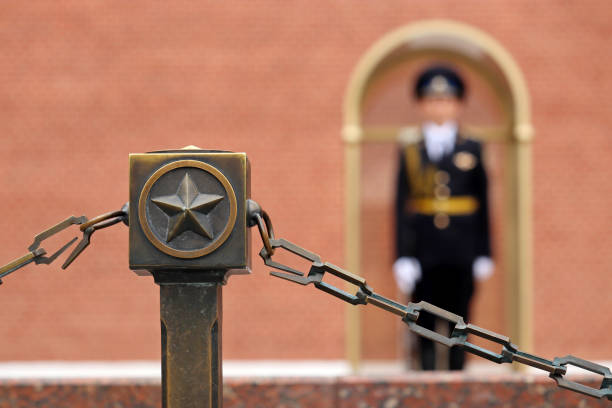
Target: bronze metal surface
column 386, row 304
column 191, row 345
column 37, row 254
column 21, row 261
column 88, row 228
column 147, row 222
column 188, row 211
column 606, row 382
column 189, row 229
column 116, row 216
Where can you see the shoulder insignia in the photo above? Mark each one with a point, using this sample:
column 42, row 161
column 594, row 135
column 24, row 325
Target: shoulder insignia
column 409, row 135
column 465, row 161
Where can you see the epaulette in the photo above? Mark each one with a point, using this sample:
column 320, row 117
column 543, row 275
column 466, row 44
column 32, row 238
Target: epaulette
column 409, row 135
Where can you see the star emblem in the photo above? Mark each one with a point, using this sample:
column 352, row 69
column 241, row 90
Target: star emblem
column 188, row 210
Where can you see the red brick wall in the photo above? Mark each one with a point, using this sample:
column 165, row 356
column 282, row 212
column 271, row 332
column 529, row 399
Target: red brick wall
column 84, row 83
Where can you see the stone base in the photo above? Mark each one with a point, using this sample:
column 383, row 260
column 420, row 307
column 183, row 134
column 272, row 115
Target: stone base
column 446, row 390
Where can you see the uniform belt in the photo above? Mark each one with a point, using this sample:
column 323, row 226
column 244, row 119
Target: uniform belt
column 458, row 205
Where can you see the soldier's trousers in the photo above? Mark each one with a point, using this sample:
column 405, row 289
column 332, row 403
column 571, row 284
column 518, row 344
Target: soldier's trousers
column 449, row 287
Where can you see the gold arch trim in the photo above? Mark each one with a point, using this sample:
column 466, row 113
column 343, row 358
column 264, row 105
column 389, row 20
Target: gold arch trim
column 427, row 29
column 519, row 134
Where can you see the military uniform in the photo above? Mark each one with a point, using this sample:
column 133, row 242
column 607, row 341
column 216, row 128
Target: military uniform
column 441, row 208
column 442, row 222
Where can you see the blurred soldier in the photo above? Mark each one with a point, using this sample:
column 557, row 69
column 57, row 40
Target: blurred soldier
column 441, row 208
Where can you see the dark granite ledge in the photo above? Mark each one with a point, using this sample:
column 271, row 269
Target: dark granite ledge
column 448, row 390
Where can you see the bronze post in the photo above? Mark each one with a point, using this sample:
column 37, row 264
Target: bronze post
column 191, row 327
column 188, row 228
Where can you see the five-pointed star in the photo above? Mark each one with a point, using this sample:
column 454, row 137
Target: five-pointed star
column 188, row 210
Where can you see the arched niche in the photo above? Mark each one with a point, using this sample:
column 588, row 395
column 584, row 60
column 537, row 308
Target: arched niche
column 485, row 58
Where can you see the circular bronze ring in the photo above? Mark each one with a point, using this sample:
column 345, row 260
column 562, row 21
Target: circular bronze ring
column 142, row 206
column 268, row 221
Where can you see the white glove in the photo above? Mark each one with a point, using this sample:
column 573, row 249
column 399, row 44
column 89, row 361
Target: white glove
column 482, row 268
column 407, row 272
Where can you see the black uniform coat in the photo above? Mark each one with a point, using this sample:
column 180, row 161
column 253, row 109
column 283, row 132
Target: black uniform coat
column 445, row 244
column 466, row 236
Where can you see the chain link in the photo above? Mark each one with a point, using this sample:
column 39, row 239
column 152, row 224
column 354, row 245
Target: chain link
column 37, row 254
column 409, row 313
column 88, row 228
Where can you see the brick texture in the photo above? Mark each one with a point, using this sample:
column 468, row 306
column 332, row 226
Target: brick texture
column 84, row 83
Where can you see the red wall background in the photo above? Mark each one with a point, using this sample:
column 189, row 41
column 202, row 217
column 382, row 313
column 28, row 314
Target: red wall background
column 84, row 83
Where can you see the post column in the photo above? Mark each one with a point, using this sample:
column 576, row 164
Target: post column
column 191, row 327
column 188, row 228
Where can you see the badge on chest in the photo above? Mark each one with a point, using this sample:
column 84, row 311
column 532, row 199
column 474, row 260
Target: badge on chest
column 464, row 161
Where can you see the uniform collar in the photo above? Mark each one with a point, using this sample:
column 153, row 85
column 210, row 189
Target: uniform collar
column 439, row 139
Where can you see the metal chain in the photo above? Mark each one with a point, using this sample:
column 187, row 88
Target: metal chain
column 409, row 313
column 88, row 228
column 37, row 254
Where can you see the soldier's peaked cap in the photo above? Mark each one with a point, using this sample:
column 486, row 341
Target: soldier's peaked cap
column 439, row 80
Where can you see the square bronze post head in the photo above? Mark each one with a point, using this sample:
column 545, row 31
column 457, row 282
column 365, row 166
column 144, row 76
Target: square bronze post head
column 188, row 211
